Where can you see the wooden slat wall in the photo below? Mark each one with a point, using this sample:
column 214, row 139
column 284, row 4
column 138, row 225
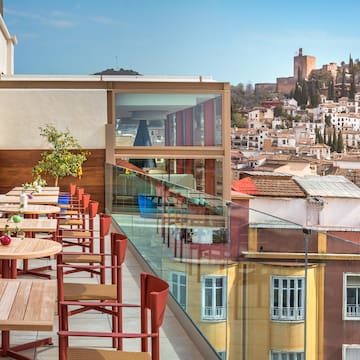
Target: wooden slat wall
column 16, row 166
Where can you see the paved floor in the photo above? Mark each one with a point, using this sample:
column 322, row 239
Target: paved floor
column 175, row 344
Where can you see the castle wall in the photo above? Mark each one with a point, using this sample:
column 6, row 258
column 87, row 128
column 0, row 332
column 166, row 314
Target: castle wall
column 285, row 84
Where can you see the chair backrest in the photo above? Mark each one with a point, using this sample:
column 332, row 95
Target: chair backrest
column 72, row 189
column 79, row 192
column 105, row 222
column 154, row 295
column 85, row 202
column 93, row 208
column 119, row 243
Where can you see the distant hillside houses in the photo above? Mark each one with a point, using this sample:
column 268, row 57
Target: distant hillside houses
column 285, row 128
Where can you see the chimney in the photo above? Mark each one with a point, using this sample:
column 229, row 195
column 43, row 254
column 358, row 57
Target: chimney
column 300, row 49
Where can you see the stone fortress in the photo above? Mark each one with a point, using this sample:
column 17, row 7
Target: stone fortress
column 303, row 66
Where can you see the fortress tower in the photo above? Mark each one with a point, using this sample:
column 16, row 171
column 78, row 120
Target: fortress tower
column 303, row 65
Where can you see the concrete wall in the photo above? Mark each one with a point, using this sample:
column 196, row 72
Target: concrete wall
column 23, row 111
column 335, row 212
column 292, row 210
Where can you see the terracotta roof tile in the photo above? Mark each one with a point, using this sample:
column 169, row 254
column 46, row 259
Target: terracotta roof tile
column 245, row 186
column 275, row 186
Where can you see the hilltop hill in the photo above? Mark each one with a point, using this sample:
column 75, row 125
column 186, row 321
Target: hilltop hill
column 117, row 72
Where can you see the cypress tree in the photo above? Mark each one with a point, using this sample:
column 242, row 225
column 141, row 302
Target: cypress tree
column 329, row 142
column 340, row 142
column 304, row 94
column 316, row 135
column 334, row 140
column 352, row 85
column 297, row 93
column 331, row 90
column 343, row 88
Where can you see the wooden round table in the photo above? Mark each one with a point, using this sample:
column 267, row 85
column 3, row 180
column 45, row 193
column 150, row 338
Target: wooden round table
column 27, row 248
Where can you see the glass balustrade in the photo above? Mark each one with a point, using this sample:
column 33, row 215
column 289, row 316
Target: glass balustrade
column 254, row 286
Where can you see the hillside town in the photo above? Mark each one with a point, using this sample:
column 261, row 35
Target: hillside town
column 325, row 138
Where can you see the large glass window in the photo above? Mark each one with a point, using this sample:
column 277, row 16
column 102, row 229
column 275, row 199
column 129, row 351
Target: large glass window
column 213, row 298
column 352, row 296
column 168, row 119
column 287, row 298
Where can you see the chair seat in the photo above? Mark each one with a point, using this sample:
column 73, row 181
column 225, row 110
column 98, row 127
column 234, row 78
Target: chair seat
column 69, row 212
column 70, row 221
column 76, row 234
column 81, row 258
column 99, row 354
column 76, row 291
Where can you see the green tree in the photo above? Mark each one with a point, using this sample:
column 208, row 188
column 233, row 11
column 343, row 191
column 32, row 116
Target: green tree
column 278, row 111
column 65, row 158
column 331, row 90
column 352, row 85
column 319, row 135
column 314, row 93
column 297, row 93
column 329, row 139
column 238, row 120
column 343, row 86
column 304, row 94
column 340, row 143
column 328, row 120
column 334, row 145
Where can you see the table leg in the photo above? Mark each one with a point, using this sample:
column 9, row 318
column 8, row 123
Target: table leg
column 13, row 352
column 34, row 271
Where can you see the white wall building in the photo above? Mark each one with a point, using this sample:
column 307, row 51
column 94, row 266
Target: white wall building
column 332, row 202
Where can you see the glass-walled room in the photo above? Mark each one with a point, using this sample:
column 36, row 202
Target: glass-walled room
column 168, row 119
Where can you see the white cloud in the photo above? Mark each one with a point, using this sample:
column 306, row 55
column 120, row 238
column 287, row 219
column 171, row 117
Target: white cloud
column 102, row 20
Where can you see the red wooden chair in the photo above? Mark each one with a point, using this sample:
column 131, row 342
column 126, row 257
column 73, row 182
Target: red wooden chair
column 84, row 297
column 88, row 254
column 66, row 226
column 153, row 296
column 74, row 214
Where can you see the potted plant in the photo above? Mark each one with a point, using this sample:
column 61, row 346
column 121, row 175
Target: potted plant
column 64, row 159
column 35, row 186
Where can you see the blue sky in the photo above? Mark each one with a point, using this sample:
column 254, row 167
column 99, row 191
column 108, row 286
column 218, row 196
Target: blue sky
column 237, row 41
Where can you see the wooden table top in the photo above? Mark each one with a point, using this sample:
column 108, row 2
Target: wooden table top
column 33, row 225
column 27, row 304
column 29, row 248
column 43, row 200
column 50, row 188
column 46, row 191
column 30, row 209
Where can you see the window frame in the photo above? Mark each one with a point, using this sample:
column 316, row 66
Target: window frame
column 280, row 353
column 346, row 316
column 178, row 285
column 345, row 347
column 213, row 317
column 300, row 309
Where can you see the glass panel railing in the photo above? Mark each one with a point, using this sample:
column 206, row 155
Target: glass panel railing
column 254, row 285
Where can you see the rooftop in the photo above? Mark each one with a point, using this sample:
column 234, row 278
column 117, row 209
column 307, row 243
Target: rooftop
column 175, row 344
column 328, row 186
